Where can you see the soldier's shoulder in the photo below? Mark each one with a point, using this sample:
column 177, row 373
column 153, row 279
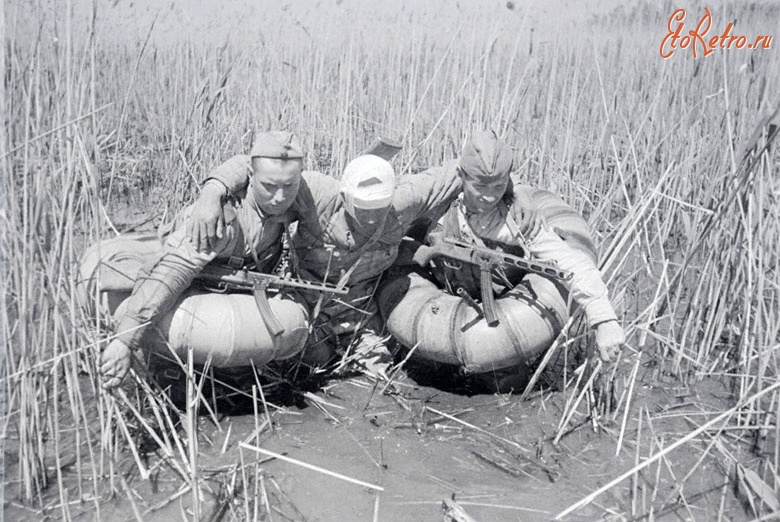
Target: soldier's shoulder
column 312, row 177
column 523, row 188
column 239, row 165
column 448, row 167
column 319, row 184
column 243, row 161
column 529, row 195
column 230, row 208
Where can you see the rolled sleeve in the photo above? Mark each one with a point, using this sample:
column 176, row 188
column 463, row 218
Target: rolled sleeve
column 427, row 195
column 234, row 174
column 157, row 290
column 586, row 286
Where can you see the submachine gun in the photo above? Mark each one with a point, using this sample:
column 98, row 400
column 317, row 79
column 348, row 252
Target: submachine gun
column 457, row 252
column 224, row 278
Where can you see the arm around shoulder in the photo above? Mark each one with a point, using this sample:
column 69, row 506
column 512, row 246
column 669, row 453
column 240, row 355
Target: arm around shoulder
column 206, row 223
column 208, row 220
column 234, row 174
column 428, row 194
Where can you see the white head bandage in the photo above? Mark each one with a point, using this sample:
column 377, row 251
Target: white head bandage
column 368, row 183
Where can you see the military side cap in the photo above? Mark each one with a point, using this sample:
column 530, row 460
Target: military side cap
column 276, row 145
column 486, row 156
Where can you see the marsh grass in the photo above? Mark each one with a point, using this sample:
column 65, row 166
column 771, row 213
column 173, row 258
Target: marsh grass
column 670, row 161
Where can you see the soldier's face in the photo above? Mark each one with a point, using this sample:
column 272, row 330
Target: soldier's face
column 369, row 218
column 482, row 194
column 275, row 183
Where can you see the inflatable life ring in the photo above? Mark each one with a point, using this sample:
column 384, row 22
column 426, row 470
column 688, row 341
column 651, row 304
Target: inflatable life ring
column 224, row 326
column 446, row 329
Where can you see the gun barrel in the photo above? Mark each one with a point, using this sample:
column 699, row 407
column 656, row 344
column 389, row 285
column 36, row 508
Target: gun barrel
column 539, row 268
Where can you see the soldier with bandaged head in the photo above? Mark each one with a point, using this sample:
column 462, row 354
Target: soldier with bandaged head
column 348, row 231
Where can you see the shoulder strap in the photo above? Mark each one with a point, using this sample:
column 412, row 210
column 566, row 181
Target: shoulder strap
column 294, row 262
column 512, row 224
column 373, row 239
column 243, row 241
column 464, row 226
column 380, row 228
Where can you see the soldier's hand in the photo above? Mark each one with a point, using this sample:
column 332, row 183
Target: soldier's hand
column 207, row 220
column 114, row 363
column 422, row 255
column 435, row 238
column 610, row 337
column 531, row 221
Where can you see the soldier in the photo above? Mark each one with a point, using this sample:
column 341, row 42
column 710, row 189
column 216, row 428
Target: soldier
column 254, row 226
column 352, row 235
column 493, row 212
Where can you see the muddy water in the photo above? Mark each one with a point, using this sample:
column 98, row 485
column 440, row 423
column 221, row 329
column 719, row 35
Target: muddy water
column 399, row 445
column 503, row 467
column 499, row 462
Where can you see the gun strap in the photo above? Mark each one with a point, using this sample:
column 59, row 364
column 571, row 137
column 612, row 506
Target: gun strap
column 294, row 261
column 253, row 252
column 362, row 249
column 513, row 226
column 465, row 227
column 380, row 228
column 467, row 232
